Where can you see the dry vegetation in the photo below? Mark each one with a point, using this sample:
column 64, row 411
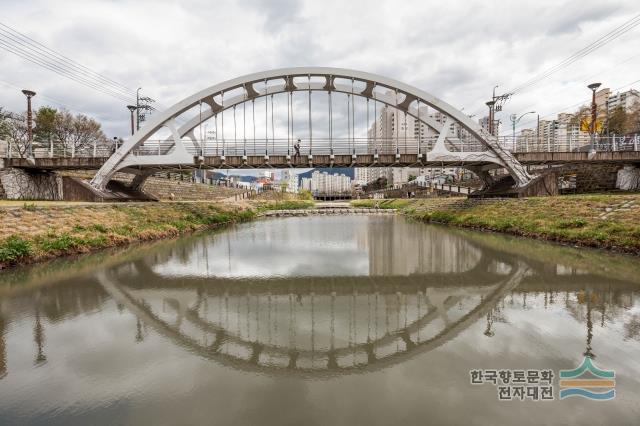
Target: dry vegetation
column 32, row 233
column 610, row 221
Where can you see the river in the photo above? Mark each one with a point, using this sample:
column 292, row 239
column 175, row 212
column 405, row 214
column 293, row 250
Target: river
column 344, row 320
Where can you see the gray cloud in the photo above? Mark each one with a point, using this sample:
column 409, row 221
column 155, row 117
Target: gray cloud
column 457, row 50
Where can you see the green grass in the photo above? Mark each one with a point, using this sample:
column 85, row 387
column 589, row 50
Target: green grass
column 285, row 205
column 13, row 249
column 572, row 219
column 88, row 229
column 568, row 219
column 382, row 204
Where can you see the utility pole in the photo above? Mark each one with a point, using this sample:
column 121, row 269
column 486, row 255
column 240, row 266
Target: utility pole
column 143, row 107
column 495, row 105
column 490, row 104
column 132, row 108
column 594, row 114
column 138, row 107
column 29, row 94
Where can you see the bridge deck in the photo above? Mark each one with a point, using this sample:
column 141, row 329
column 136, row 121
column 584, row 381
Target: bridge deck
column 360, row 160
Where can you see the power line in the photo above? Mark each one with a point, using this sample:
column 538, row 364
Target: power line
column 69, row 63
column 607, row 38
column 589, row 77
column 60, row 71
column 40, row 95
column 575, row 105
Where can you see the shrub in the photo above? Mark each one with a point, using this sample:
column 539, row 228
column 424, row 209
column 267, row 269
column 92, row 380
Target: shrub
column 63, row 242
column 305, row 194
column 99, row 228
column 14, row 248
column 572, row 223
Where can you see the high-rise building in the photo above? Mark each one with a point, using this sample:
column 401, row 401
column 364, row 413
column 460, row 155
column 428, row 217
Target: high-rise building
column 627, row 100
column 291, row 179
column 602, row 100
column 325, row 184
column 484, row 123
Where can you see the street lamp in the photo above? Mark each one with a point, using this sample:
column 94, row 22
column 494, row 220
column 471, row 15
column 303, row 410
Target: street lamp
column 594, row 113
column 132, row 108
column 29, row 94
column 515, row 120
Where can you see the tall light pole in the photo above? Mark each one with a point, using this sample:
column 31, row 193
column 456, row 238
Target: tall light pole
column 594, row 114
column 29, row 94
column 515, row 120
column 132, row 108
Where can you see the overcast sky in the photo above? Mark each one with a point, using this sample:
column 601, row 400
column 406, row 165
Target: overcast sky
column 456, row 50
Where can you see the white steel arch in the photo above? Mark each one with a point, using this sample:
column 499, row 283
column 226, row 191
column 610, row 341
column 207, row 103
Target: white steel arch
column 405, row 98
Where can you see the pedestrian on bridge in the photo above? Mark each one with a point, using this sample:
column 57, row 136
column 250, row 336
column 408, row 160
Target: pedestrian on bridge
column 296, row 147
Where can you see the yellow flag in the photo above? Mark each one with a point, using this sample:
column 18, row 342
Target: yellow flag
column 585, row 125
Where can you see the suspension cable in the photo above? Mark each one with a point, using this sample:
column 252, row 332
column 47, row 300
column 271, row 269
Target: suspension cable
column 405, row 131
column 349, row 122
column 395, row 123
column 253, row 114
column 310, row 123
column 224, row 143
column 266, row 119
column 353, row 118
column 200, row 128
column 215, row 118
column 235, row 131
column 273, row 129
column 375, row 119
column 330, row 123
column 288, row 122
column 244, row 124
column 419, row 132
column 367, row 125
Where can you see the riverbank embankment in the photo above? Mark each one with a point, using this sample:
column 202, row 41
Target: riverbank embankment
column 36, row 231
column 606, row 221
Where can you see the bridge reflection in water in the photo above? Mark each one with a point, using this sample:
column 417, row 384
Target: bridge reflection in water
column 353, row 295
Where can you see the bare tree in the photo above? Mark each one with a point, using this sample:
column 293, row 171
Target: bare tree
column 78, row 134
column 16, row 133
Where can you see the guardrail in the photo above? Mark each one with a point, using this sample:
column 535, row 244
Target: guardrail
column 446, row 187
column 331, row 146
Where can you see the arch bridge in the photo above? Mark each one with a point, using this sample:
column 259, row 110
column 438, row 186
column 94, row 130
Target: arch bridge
column 440, row 134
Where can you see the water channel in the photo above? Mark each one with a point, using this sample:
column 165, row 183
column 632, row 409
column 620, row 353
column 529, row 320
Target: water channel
column 320, row 320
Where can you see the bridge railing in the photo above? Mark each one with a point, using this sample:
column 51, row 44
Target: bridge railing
column 328, row 146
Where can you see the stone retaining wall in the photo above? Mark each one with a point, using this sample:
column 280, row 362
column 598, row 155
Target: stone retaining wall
column 18, row 184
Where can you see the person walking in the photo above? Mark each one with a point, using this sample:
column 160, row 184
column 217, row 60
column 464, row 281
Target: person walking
column 296, row 147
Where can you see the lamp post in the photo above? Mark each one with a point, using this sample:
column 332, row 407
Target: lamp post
column 132, row 108
column 29, row 94
column 515, row 120
column 594, row 113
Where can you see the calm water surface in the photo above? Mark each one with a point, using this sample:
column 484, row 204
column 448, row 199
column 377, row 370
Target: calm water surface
column 318, row 320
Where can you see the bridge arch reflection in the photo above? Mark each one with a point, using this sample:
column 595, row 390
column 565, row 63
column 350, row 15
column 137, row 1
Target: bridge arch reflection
column 315, row 326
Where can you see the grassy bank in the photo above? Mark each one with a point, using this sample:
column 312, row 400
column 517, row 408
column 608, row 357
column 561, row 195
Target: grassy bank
column 610, row 221
column 37, row 233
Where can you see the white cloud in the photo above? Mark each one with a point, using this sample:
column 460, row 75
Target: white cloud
column 457, row 50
